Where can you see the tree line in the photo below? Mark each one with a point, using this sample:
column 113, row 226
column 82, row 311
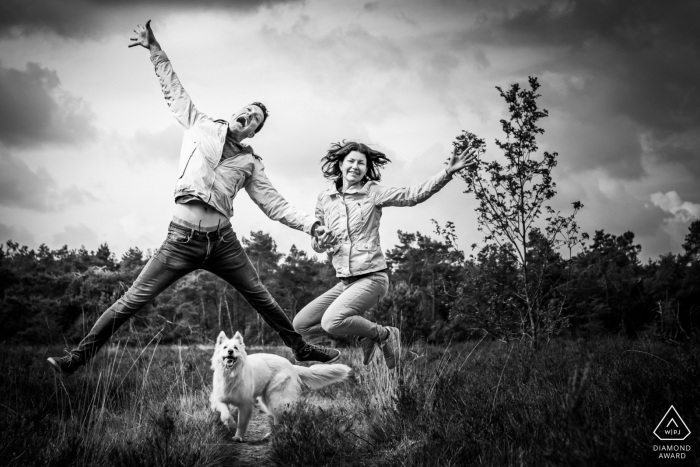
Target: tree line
column 437, row 293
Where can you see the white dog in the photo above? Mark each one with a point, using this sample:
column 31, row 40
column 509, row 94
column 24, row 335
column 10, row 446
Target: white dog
column 240, row 379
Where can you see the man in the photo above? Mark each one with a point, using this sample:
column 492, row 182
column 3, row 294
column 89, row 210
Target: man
column 214, row 166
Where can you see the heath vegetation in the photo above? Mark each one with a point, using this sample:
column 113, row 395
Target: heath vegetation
column 476, row 403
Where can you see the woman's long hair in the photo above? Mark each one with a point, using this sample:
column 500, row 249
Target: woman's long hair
column 334, row 158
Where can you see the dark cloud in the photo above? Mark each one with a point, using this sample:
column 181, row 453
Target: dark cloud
column 96, row 18
column 584, row 142
column 371, row 6
column 22, row 187
column 638, row 61
column 34, row 109
column 631, row 24
column 679, row 148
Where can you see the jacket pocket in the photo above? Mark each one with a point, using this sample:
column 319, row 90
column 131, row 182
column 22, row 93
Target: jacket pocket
column 366, row 245
column 366, row 207
column 189, row 158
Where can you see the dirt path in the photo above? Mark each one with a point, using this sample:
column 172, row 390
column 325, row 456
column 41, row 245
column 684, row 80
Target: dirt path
column 254, row 452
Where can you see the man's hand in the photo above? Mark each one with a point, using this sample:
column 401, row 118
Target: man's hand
column 459, row 161
column 144, row 37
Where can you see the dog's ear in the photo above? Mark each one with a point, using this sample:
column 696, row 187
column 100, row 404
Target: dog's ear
column 222, row 337
column 239, row 338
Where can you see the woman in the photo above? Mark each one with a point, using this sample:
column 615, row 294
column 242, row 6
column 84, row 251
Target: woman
column 351, row 210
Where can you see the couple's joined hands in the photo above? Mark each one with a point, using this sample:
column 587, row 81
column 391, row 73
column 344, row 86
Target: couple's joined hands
column 324, row 236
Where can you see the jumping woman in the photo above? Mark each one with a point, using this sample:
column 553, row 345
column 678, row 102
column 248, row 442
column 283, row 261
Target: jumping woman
column 351, row 209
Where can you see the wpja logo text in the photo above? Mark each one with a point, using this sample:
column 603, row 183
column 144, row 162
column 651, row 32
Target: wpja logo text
column 672, row 428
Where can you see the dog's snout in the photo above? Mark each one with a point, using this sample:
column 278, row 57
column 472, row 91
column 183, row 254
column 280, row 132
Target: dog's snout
column 230, row 351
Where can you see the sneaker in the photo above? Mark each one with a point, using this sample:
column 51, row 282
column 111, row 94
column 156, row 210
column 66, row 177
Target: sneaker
column 316, row 353
column 367, row 346
column 391, row 347
column 66, row 364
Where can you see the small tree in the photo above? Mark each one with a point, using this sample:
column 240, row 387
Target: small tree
column 512, row 199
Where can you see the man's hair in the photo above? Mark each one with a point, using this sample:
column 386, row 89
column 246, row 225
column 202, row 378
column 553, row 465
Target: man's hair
column 337, row 152
column 265, row 114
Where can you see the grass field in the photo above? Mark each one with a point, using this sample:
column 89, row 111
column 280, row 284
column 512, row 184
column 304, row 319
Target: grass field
column 479, row 403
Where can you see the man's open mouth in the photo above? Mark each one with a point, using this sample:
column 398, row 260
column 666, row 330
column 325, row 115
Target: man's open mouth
column 242, row 120
column 229, row 361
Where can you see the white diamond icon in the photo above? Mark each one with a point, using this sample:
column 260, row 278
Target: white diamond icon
column 672, row 427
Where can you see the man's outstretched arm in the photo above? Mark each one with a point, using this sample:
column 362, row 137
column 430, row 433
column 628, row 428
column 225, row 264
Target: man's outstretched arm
column 273, row 204
column 178, row 100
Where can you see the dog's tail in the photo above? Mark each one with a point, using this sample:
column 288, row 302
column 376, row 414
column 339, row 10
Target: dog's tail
column 317, row 376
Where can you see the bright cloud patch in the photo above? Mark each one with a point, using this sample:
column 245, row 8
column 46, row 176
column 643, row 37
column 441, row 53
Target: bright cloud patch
column 683, row 211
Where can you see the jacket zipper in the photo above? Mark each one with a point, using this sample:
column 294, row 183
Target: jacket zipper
column 188, row 160
column 347, row 226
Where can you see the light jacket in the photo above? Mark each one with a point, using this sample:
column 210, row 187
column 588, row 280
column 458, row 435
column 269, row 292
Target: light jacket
column 354, row 218
column 204, row 175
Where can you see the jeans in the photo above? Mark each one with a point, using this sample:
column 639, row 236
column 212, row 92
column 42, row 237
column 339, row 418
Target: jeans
column 339, row 310
column 187, row 249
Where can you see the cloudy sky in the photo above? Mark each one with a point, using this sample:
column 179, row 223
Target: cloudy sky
column 88, row 149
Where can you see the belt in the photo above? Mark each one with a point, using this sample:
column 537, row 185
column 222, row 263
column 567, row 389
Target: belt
column 195, row 233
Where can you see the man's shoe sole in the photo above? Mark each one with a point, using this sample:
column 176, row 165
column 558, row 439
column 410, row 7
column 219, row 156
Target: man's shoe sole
column 316, row 361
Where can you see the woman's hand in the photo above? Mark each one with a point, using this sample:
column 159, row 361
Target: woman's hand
column 459, row 161
column 144, row 36
column 326, row 240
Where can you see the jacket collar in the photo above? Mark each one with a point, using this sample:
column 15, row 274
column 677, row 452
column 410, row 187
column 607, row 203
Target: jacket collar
column 240, row 147
column 333, row 190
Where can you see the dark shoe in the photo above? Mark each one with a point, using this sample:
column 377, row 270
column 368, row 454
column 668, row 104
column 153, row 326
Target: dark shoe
column 316, row 353
column 391, row 347
column 367, row 346
column 65, row 365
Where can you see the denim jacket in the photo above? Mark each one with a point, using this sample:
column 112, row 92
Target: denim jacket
column 204, row 175
column 354, row 218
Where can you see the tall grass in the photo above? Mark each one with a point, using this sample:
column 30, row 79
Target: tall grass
column 135, row 407
column 571, row 403
column 479, row 403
